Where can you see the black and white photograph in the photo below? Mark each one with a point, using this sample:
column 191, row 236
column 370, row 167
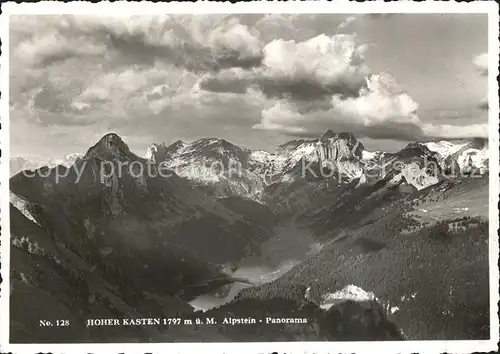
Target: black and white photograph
column 240, row 176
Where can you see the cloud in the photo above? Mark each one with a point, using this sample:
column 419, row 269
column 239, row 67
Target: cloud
column 448, row 131
column 331, row 62
column 483, row 104
column 123, row 95
column 231, row 36
column 324, row 82
column 282, row 117
column 382, row 106
column 275, row 26
column 47, row 102
column 52, row 47
column 380, row 101
column 195, row 42
column 481, row 63
column 318, row 67
column 381, row 110
column 347, row 22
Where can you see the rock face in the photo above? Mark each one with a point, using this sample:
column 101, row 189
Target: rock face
column 219, row 167
column 341, row 153
column 465, row 157
column 338, row 147
column 419, row 166
column 157, row 153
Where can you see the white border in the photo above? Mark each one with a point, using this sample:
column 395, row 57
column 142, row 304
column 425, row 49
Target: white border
column 343, row 6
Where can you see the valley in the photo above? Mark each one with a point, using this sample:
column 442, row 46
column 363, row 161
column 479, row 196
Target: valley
column 278, row 255
column 366, row 245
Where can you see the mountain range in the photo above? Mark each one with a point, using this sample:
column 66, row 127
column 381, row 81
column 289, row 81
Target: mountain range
column 342, row 152
column 109, row 233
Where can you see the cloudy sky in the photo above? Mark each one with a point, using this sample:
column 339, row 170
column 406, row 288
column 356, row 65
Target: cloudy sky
column 255, row 80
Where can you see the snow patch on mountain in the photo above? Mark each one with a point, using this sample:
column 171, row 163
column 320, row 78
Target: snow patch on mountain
column 266, row 164
column 154, row 150
column 362, row 180
column 371, row 156
column 356, row 294
column 444, row 148
column 471, row 159
column 348, row 293
column 349, row 170
column 469, row 156
column 251, row 170
column 305, row 150
column 225, row 169
column 24, row 163
column 23, row 206
column 70, row 159
column 419, row 177
column 395, row 180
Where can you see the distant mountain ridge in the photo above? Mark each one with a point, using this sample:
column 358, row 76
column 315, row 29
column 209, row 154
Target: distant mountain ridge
column 21, row 163
column 225, row 169
column 332, row 154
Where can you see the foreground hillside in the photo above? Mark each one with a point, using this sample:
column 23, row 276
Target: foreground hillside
column 430, row 275
column 49, row 281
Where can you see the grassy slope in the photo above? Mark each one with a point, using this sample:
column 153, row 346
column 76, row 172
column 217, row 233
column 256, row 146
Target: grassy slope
column 448, row 204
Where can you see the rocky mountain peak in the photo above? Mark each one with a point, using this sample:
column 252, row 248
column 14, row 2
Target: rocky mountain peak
column 214, row 143
column 478, row 143
column 292, row 144
column 110, row 147
column 156, row 152
column 339, row 146
column 160, row 152
column 415, row 149
column 329, row 134
column 176, row 144
column 216, row 148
